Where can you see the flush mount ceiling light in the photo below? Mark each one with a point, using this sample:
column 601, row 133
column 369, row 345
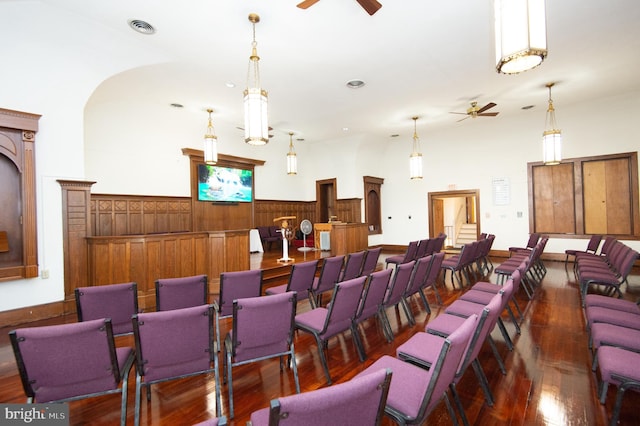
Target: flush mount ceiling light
column 141, row 27
column 210, row 143
column 355, row 84
column 520, row 35
column 256, row 127
column 551, row 137
column 415, row 159
column 292, row 160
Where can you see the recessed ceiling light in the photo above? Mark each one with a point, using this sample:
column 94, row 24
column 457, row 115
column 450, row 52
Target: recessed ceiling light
column 141, row 26
column 355, row 84
column 176, row 105
column 230, row 84
column 345, row 129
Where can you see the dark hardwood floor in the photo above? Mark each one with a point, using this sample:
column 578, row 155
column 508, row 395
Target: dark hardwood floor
column 548, row 381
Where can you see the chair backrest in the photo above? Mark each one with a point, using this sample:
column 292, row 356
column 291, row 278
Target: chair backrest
column 63, row 361
column 116, row 301
column 533, row 240
column 440, row 243
column 343, row 306
column 606, row 245
column 263, row 326
column 419, row 275
column 399, row 283
column 360, row 401
column 329, row 274
column 423, row 247
column 434, row 270
column 374, row 292
column 443, row 371
column 353, row 265
column 594, row 243
column 301, row 278
column 412, row 249
column 183, row 292
column 175, row 343
column 238, row 285
column 370, row 260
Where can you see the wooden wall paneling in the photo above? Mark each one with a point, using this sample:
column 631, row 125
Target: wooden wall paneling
column 134, row 217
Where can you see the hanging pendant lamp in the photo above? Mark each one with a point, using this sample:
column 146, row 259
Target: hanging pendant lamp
column 256, row 127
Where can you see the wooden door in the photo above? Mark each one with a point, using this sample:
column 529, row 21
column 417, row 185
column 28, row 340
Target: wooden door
column 553, row 198
column 607, row 197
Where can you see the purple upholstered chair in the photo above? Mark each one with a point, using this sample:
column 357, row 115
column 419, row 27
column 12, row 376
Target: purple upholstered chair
column 116, row 301
column 621, row 368
column 327, row 279
column 408, row 255
column 395, row 293
column 300, row 280
column 372, row 300
column 459, row 264
column 432, row 277
column 182, row 292
column 603, row 334
column 592, row 247
column 418, row 278
column 353, row 265
column 414, row 391
column 235, row 285
column 370, row 260
column 359, row 401
column 423, row 248
column 262, row 329
column 172, row 345
column 531, row 243
column 324, row 323
column 413, row 350
column 68, row 362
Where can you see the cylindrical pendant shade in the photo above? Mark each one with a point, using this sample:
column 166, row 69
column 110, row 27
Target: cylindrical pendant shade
column 256, row 126
column 520, row 35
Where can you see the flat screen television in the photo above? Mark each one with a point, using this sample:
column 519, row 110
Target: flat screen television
column 224, row 184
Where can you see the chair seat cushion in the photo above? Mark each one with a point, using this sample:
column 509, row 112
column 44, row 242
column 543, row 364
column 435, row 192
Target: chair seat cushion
column 597, row 314
column 464, row 308
column 488, row 287
column 408, row 384
column 277, row 289
column 618, row 362
column 477, row 296
column 422, row 346
column 615, row 335
column 313, row 319
column 611, row 303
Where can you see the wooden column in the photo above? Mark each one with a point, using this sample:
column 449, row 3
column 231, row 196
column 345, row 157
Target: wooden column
column 76, row 227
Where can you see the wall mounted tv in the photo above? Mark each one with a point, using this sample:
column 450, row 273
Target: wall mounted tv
column 224, row 184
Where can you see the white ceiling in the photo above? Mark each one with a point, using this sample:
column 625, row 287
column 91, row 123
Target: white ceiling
column 417, row 57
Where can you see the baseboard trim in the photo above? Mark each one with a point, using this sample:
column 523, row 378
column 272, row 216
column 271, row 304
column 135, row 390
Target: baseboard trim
column 31, row 314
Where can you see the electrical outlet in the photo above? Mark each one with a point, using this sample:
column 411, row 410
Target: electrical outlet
column 44, row 274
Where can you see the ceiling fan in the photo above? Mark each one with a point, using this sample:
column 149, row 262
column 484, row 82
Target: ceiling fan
column 474, row 111
column 371, row 6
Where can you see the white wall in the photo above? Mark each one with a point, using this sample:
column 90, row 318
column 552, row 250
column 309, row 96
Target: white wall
column 130, row 146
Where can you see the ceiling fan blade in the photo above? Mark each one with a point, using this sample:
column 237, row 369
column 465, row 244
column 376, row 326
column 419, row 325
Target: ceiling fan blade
column 371, row 6
column 467, row 116
column 488, row 114
column 486, row 107
column 307, row 3
column 462, row 113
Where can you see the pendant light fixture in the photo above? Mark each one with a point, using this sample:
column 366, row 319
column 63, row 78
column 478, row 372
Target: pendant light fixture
column 210, row 143
column 415, row 159
column 520, row 35
column 292, row 160
column 551, row 137
column 256, row 127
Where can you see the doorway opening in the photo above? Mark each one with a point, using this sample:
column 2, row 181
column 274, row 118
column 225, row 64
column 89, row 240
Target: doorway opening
column 455, row 213
column 326, row 200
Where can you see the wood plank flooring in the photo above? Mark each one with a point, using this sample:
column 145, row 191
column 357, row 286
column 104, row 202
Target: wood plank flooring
column 548, row 381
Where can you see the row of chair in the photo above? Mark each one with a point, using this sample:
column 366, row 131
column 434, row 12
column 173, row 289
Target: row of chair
column 614, row 338
column 471, row 254
column 608, row 270
column 427, row 367
column 417, row 249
